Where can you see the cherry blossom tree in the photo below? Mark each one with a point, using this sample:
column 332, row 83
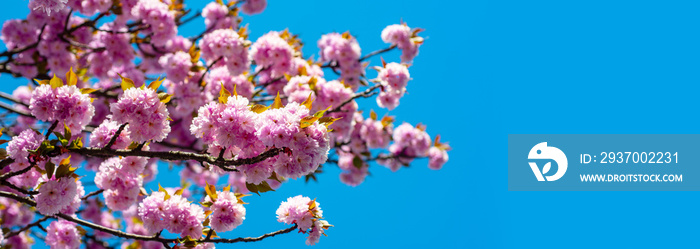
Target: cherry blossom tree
column 114, row 89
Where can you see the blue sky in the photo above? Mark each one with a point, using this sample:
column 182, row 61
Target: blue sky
column 489, row 69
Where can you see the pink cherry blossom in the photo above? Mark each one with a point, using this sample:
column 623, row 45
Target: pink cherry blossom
column 62, row 234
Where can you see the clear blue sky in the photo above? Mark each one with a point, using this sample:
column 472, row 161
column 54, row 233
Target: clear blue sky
column 488, row 69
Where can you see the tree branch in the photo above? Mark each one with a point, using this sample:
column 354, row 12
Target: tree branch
column 27, row 227
column 251, row 239
column 12, row 109
column 94, row 193
column 179, row 156
column 114, row 138
column 367, row 56
column 366, row 94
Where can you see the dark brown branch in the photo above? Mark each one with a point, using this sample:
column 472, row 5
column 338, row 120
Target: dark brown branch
column 179, row 156
column 201, row 79
column 114, row 138
column 94, row 193
column 51, row 128
column 178, row 146
column 5, row 162
column 156, row 237
column 366, row 94
column 367, row 56
column 12, row 109
column 18, row 189
column 16, row 173
column 10, row 53
column 27, row 227
column 250, row 239
column 15, row 197
column 334, row 64
column 9, row 97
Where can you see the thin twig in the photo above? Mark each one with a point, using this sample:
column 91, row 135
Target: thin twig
column 27, row 227
column 367, row 56
column 93, row 193
column 114, row 138
column 366, row 94
column 9, row 97
column 14, row 110
column 201, row 79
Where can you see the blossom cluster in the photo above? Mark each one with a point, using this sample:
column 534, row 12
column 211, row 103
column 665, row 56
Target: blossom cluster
column 251, row 7
column 65, row 104
column 227, row 212
column 56, row 195
column 272, row 52
column 409, row 142
column 233, row 125
column 228, row 45
column 62, row 234
column 344, row 50
column 101, row 136
column 404, row 38
column 218, row 16
column 15, row 213
column 146, row 115
column 18, row 148
column 121, row 179
column 307, row 214
column 172, row 212
column 394, row 77
column 158, row 17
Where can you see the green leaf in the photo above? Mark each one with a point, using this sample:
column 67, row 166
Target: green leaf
column 308, row 102
column 76, row 144
column 49, row 167
column 161, row 189
column 206, row 223
column 136, row 244
column 252, row 188
column 328, row 121
column 66, row 132
column 56, row 82
column 239, row 197
column 274, row 177
column 156, row 84
column 309, row 120
column 42, row 82
column 64, row 170
column 81, row 230
column 71, row 78
column 258, row 108
column 211, row 191
column 3, row 154
column 387, row 120
column 223, row 94
column 164, row 97
column 88, row 90
column 259, row 188
column 133, row 145
column 126, row 83
column 277, row 103
column 357, row 162
column 207, row 204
